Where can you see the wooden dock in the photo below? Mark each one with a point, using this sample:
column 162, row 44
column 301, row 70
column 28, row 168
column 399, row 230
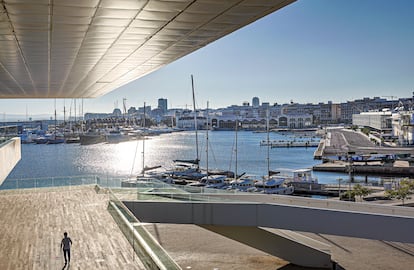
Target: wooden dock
column 32, row 225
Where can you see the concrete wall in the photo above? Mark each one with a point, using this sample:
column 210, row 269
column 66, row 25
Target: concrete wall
column 296, row 218
column 10, row 154
column 288, row 245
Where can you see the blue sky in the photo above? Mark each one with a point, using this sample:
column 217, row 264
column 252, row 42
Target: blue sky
column 310, row 51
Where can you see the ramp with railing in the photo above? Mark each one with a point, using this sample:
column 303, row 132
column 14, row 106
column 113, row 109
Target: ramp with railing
column 149, row 251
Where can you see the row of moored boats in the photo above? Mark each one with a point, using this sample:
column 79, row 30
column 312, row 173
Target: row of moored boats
column 188, row 173
column 116, row 135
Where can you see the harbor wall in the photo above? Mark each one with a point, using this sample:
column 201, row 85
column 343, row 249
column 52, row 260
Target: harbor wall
column 10, row 154
column 366, row 169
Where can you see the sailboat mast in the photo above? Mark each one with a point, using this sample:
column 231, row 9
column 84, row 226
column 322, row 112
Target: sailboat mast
column 207, row 128
column 55, row 119
column 268, row 143
column 235, row 150
column 82, row 119
column 74, row 110
column 64, row 113
column 195, row 121
column 70, row 116
column 143, row 147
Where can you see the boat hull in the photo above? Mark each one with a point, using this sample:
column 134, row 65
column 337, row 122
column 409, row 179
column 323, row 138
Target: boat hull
column 87, row 139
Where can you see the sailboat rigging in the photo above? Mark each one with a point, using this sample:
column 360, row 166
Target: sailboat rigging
column 207, row 128
column 143, row 146
column 195, row 123
column 270, row 184
column 197, row 160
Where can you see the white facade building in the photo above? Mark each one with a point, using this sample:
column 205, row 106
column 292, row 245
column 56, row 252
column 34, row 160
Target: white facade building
column 403, row 127
column 377, row 120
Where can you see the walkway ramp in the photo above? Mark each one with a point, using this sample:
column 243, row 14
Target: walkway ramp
column 290, row 246
column 33, row 221
column 362, row 224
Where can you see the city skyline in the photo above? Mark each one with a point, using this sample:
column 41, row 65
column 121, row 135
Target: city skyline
column 308, row 52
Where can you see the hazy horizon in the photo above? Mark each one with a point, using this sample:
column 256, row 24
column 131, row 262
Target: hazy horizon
column 60, row 115
column 308, row 52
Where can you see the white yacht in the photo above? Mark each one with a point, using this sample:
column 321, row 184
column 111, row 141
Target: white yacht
column 242, row 184
column 215, row 181
column 273, row 185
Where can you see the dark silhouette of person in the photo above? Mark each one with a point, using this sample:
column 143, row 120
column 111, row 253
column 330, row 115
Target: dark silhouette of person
column 65, row 245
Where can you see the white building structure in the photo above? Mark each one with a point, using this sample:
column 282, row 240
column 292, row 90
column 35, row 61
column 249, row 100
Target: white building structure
column 187, row 121
column 403, row 127
column 378, row 120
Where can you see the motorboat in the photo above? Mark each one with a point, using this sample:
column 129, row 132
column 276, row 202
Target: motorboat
column 245, row 183
column 116, row 136
column 91, row 137
column 273, row 185
column 187, row 170
column 215, row 181
column 211, row 181
column 55, row 139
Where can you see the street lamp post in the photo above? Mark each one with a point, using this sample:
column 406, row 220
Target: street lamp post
column 339, row 187
column 349, row 158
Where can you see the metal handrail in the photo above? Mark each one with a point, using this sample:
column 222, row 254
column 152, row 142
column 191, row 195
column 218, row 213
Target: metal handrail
column 162, row 260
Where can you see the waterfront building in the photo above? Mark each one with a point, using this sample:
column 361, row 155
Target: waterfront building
column 254, row 118
column 255, row 102
column 116, row 113
column 377, row 120
column 91, row 116
column 403, row 127
column 132, row 111
column 163, row 105
column 293, row 114
column 319, row 114
column 144, row 110
column 366, row 104
column 335, row 113
column 187, row 122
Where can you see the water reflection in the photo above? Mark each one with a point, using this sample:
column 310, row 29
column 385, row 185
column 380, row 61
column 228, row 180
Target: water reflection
column 125, row 159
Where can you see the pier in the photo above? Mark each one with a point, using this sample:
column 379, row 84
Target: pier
column 340, row 142
column 395, row 169
column 339, row 147
column 290, row 143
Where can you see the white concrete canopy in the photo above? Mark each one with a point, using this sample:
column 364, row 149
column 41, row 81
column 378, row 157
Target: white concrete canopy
column 87, row 48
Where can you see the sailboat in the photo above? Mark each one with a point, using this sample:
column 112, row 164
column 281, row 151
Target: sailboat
column 55, row 138
column 272, row 183
column 188, row 169
column 240, row 182
column 147, row 175
column 214, row 178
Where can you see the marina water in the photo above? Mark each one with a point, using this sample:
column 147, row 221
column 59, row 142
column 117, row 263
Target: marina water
column 126, row 159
